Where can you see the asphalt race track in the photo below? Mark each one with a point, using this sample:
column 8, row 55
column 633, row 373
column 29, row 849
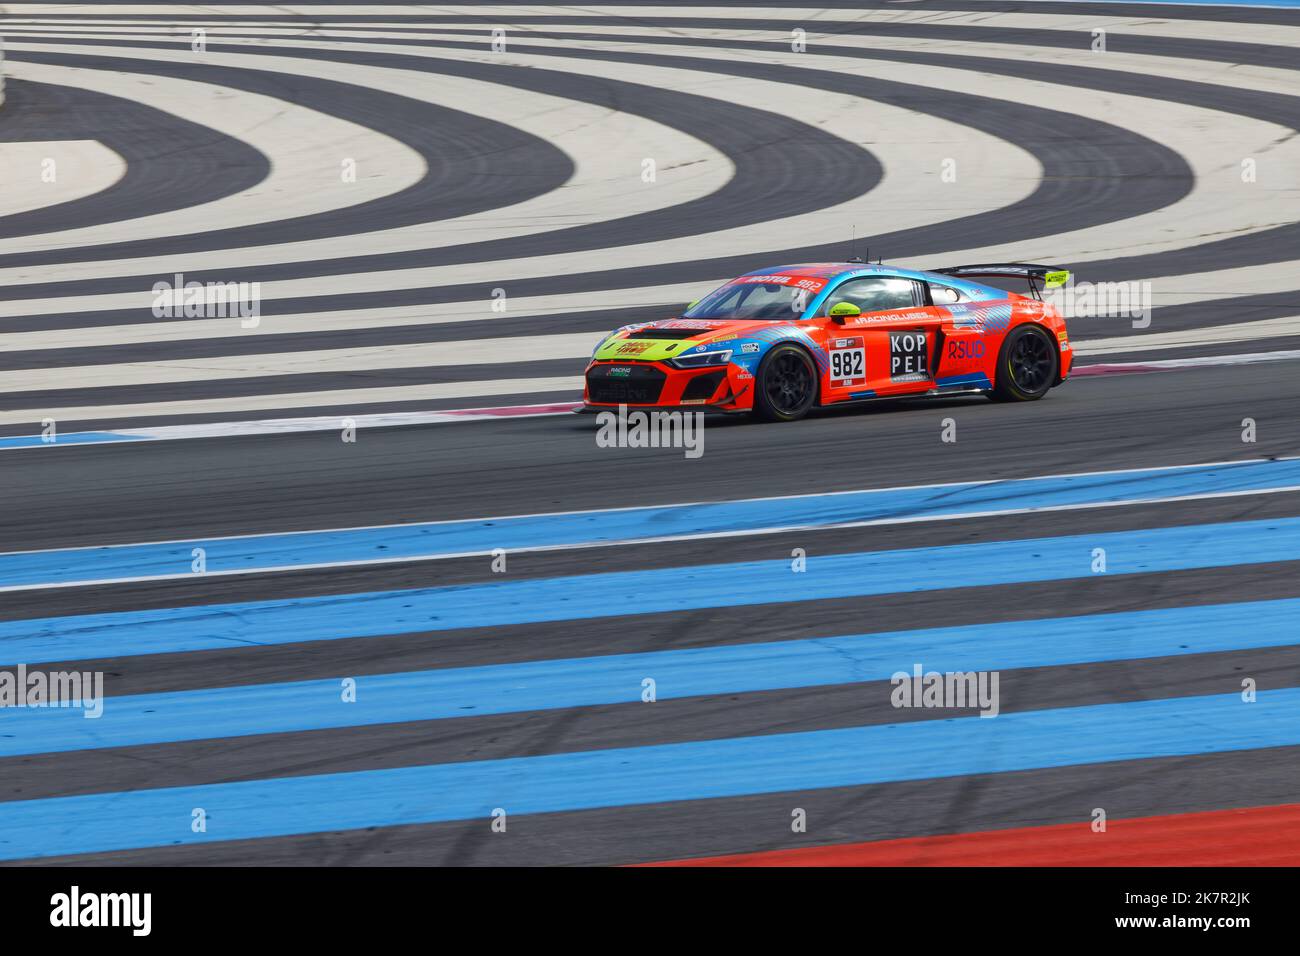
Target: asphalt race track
column 375, row 654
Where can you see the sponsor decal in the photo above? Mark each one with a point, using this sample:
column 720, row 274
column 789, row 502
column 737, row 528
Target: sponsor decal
column 634, row 348
column 871, row 319
column 994, row 318
column 960, row 350
column 620, row 371
column 799, row 282
column 687, row 324
column 848, row 363
column 907, row 357
column 749, row 347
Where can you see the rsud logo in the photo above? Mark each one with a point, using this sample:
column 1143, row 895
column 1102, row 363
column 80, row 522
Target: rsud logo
column 961, row 349
column 210, row 300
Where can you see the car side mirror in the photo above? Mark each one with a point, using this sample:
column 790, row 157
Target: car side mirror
column 843, row 310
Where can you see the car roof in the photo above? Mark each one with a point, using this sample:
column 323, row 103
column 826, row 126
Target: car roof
column 834, row 270
column 842, row 270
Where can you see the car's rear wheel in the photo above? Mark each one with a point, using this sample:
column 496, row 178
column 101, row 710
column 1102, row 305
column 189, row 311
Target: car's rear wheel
column 1027, row 365
column 786, row 384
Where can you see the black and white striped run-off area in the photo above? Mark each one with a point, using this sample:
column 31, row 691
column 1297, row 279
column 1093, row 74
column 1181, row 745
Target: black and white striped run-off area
column 413, row 223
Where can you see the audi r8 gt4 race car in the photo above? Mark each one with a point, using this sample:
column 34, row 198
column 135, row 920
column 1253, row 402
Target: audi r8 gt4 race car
column 781, row 341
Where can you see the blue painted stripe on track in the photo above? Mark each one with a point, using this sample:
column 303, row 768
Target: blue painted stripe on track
column 615, row 679
column 732, row 767
column 425, row 540
column 497, row 603
column 73, row 438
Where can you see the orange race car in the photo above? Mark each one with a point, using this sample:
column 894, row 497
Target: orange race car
column 781, row 341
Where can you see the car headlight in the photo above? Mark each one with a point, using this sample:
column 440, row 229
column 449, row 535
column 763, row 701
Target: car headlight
column 701, row 359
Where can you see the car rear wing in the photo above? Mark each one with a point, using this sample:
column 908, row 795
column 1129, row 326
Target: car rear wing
column 1038, row 277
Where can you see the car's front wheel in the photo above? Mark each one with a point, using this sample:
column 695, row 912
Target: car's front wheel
column 786, row 384
column 1027, row 365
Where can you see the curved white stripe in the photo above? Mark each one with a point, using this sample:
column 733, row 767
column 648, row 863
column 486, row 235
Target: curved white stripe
column 911, row 146
column 1236, row 212
column 607, row 148
column 1213, row 142
column 39, row 174
column 1200, row 135
column 305, row 148
column 1185, row 27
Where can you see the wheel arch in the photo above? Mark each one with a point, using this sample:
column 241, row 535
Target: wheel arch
column 797, row 342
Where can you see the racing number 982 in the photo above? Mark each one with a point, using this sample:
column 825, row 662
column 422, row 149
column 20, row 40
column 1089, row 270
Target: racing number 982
column 846, row 363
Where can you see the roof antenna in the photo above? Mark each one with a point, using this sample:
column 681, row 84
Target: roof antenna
column 853, row 242
column 853, row 239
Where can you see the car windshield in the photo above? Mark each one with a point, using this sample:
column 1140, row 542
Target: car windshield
column 750, row 297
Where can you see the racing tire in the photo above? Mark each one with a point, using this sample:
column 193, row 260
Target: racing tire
column 1027, row 365
column 785, row 387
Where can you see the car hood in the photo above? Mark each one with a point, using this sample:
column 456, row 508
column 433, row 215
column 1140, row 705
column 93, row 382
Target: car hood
column 666, row 339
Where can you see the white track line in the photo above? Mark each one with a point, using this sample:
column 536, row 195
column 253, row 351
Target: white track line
column 1261, row 331
column 283, row 426
column 671, row 298
column 662, row 539
column 659, row 539
column 675, row 504
column 483, row 351
column 1204, row 361
column 563, row 386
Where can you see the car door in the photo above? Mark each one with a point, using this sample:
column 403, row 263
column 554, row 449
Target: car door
column 885, row 349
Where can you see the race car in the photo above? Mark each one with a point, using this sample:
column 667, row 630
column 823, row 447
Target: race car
column 784, row 340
